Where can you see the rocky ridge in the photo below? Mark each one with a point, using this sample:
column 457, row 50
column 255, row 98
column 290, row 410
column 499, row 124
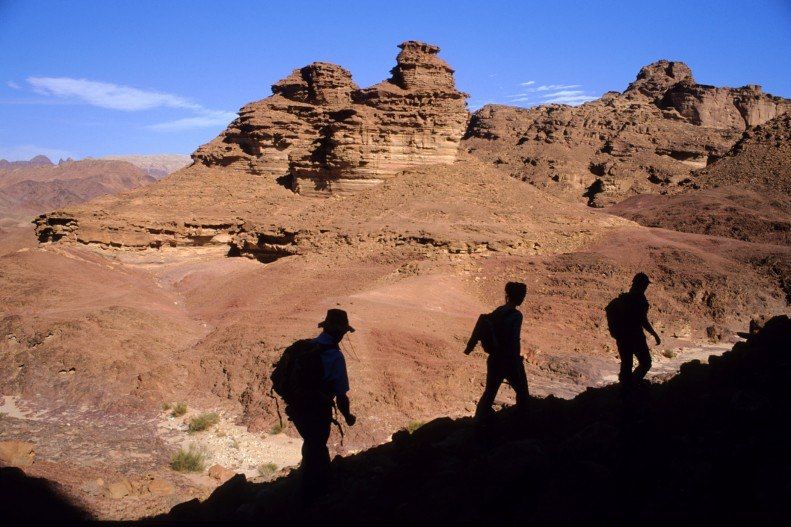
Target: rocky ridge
column 648, row 139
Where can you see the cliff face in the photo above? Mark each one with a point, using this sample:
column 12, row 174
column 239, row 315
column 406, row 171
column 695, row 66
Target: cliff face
column 646, row 140
column 326, row 135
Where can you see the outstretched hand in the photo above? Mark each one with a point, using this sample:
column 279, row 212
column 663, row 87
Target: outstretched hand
column 467, row 351
column 658, row 340
column 350, row 419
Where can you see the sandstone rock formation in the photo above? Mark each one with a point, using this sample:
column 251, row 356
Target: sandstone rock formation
column 327, row 135
column 647, row 139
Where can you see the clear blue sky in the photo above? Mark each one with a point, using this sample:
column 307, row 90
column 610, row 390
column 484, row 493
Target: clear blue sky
column 114, row 77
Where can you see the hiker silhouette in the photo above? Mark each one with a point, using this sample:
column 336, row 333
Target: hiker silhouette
column 499, row 333
column 627, row 317
column 311, row 378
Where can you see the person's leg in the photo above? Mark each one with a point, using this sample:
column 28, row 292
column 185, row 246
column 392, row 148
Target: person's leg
column 517, row 378
column 315, row 456
column 494, row 378
column 643, row 360
column 625, row 352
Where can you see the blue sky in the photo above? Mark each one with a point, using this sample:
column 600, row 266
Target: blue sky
column 115, row 77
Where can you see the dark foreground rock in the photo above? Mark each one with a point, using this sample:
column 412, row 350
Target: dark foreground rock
column 708, row 446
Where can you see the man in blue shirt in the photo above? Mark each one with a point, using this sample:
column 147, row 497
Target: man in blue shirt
column 313, row 420
column 505, row 358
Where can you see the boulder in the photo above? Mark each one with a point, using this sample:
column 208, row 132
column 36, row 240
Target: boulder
column 220, row 473
column 160, row 487
column 118, row 489
column 17, row 453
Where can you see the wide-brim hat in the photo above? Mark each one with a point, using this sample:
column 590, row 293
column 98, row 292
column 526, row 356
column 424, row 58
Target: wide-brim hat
column 336, row 319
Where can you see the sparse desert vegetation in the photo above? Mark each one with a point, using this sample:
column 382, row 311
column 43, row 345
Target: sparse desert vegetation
column 413, row 425
column 178, row 410
column 190, row 460
column 203, row 422
column 267, row 470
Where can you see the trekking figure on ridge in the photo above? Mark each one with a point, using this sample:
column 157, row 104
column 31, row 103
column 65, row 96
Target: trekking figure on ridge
column 499, row 334
column 627, row 317
column 311, row 378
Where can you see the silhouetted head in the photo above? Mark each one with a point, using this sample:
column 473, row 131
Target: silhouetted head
column 515, row 293
column 336, row 323
column 640, row 282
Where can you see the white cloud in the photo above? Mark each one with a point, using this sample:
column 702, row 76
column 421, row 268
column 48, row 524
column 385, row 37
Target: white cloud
column 129, row 99
column 552, row 87
column 208, row 119
column 573, row 97
column 13, row 85
column 527, row 83
column 550, row 93
column 108, row 95
column 25, row 152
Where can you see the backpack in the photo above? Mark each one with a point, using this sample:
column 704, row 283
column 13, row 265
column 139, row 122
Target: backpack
column 297, row 376
column 485, row 332
column 618, row 315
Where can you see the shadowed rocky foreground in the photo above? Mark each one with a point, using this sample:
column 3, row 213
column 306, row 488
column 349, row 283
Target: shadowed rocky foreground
column 708, row 446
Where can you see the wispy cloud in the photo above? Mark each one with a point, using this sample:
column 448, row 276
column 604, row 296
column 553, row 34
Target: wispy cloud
column 551, row 93
column 108, row 95
column 25, row 152
column 13, row 85
column 553, row 87
column 129, row 99
column 208, row 119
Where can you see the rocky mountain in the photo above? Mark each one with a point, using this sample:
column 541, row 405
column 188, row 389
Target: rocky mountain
column 155, row 165
column 648, row 139
column 30, row 187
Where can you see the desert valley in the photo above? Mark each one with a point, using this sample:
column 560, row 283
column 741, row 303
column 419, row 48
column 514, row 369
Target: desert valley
column 140, row 293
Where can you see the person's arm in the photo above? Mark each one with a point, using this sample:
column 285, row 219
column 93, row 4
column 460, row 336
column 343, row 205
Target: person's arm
column 474, row 338
column 513, row 341
column 341, row 388
column 650, row 329
column 343, row 407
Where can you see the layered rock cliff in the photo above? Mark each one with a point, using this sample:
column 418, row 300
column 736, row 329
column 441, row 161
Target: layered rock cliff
column 324, row 134
column 647, row 139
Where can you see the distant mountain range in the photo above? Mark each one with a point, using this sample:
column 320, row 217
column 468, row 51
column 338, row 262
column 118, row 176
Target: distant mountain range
column 28, row 188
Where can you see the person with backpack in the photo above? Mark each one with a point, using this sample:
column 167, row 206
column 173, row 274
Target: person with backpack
column 627, row 317
column 499, row 334
column 311, row 378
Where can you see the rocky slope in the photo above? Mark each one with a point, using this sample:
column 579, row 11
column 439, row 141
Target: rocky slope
column 324, row 134
column 746, row 194
column 647, row 139
column 705, row 446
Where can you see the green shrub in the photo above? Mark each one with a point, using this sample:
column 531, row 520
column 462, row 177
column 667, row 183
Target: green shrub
column 267, row 470
column 190, row 460
column 413, row 425
column 278, row 428
column 203, row 421
column 166, row 407
column 179, row 409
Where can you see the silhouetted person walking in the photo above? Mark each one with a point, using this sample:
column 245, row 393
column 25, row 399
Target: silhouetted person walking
column 311, row 378
column 627, row 317
column 499, row 334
